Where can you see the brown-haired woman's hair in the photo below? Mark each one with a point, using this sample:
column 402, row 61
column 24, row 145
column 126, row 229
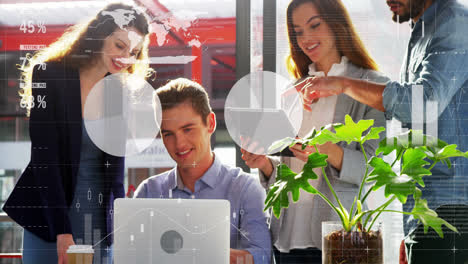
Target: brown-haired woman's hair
column 80, row 45
column 347, row 40
column 181, row 91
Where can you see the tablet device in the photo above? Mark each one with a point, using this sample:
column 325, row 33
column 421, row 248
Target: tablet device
column 262, row 126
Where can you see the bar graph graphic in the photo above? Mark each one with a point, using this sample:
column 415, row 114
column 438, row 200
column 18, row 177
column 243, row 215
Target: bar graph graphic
column 424, row 114
column 424, row 117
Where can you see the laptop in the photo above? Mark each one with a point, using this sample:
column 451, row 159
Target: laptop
column 171, row 231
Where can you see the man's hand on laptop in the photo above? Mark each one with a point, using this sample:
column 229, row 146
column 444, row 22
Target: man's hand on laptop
column 238, row 256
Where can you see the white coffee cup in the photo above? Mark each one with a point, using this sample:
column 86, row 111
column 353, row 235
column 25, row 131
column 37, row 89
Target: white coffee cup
column 80, row 254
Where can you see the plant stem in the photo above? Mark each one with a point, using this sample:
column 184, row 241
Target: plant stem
column 363, row 181
column 397, row 158
column 389, row 211
column 433, row 164
column 329, row 184
column 393, row 164
column 393, row 211
column 382, row 210
column 365, row 174
column 340, row 214
column 379, row 208
column 365, row 195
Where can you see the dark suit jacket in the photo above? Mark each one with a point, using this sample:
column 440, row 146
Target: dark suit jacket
column 43, row 194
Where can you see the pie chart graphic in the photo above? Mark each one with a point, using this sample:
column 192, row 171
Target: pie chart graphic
column 122, row 114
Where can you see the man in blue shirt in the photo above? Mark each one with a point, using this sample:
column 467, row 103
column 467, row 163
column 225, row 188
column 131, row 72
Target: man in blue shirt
column 187, row 125
column 435, row 73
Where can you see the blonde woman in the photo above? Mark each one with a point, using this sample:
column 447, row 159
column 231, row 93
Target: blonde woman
column 50, row 200
column 322, row 42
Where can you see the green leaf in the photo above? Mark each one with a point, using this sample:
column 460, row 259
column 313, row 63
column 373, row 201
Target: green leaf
column 428, row 217
column 315, row 160
column 382, row 173
column 352, row 131
column 413, row 165
column 359, row 206
column 417, row 194
column 449, row 151
column 409, row 139
column 289, row 181
column 279, row 145
column 349, row 132
column 387, row 146
column 345, row 214
column 358, row 217
column 399, row 185
column 373, row 134
column 447, row 162
column 325, row 136
column 359, row 212
column 311, row 134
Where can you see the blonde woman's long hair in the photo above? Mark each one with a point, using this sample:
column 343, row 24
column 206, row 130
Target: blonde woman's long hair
column 347, row 40
column 81, row 44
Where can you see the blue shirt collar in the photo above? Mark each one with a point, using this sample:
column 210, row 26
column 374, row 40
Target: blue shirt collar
column 210, row 178
column 430, row 13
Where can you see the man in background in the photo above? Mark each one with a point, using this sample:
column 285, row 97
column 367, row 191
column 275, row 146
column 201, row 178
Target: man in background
column 435, row 73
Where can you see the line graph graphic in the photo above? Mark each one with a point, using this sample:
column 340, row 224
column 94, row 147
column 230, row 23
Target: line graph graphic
column 171, row 231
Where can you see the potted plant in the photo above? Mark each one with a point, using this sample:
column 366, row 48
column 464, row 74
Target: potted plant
column 356, row 241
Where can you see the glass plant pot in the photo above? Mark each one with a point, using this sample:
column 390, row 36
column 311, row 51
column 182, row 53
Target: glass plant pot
column 355, row 247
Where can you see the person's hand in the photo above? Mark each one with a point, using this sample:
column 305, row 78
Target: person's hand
column 63, row 242
column 240, row 257
column 313, row 88
column 302, row 154
column 403, row 259
column 255, row 161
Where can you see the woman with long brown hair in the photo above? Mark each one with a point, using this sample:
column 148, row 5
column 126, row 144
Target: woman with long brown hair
column 323, row 42
column 65, row 195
